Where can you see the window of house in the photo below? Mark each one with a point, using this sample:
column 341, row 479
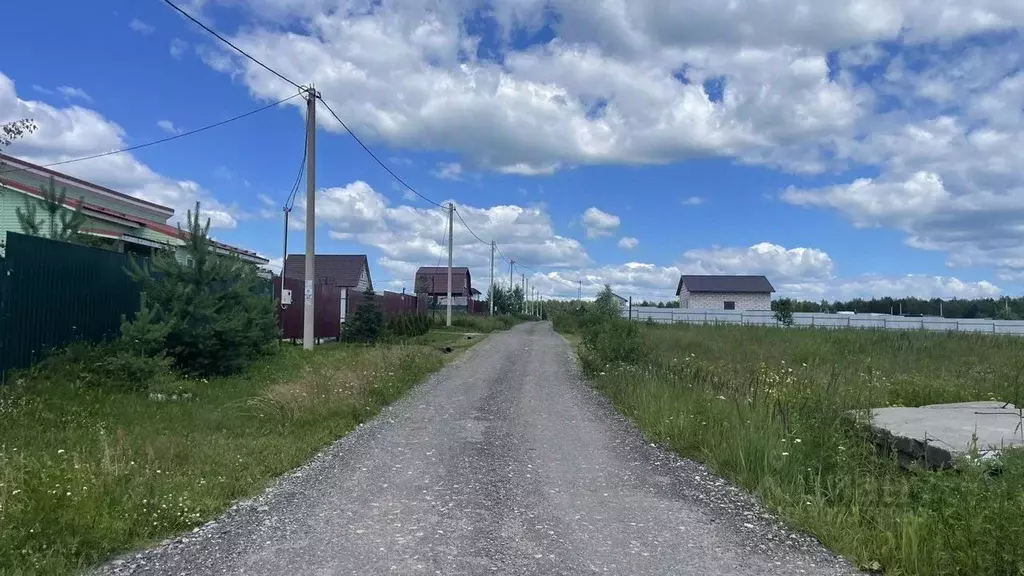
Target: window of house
column 189, row 262
column 730, row 305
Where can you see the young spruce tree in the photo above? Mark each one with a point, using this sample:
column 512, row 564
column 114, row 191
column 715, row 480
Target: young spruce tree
column 219, row 323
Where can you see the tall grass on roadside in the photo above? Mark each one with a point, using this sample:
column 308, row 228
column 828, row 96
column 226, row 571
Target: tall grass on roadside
column 86, row 472
column 482, row 324
column 768, row 407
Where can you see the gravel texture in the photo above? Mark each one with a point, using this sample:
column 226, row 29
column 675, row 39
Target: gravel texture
column 505, row 462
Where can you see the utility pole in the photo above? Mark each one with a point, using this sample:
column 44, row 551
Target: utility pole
column 511, row 265
column 451, row 213
column 308, row 317
column 580, row 297
column 525, row 297
column 492, row 278
column 284, row 260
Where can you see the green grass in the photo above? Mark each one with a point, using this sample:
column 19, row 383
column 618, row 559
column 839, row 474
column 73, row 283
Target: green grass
column 86, row 473
column 766, row 408
column 481, row 324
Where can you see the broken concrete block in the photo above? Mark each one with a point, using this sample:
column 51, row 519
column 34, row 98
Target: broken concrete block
column 937, row 434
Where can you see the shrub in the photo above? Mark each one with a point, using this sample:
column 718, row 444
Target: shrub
column 217, row 320
column 783, row 311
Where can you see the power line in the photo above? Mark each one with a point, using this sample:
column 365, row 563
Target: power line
column 160, row 141
column 298, row 177
column 374, row 156
column 470, row 229
column 443, row 238
column 236, row 48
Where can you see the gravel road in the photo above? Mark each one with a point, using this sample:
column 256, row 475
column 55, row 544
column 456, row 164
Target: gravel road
column 505, row 462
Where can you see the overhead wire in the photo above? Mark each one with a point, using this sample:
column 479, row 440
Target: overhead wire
column 304, row 89
column 374, row 156
column 161, row 140
column 236, row 48
column 290, row 201
column 482, row 241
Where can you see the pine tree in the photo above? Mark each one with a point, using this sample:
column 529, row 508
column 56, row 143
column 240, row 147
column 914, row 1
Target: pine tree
column 59, row 222
column 367, row 322
column 219, row 323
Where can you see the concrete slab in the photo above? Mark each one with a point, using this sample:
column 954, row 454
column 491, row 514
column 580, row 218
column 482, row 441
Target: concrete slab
column 938, row 433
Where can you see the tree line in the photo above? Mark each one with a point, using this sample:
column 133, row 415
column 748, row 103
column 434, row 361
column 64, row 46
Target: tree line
column 1004, row 308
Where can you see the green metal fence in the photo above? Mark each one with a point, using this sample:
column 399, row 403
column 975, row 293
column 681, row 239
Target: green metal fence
column 54, row 293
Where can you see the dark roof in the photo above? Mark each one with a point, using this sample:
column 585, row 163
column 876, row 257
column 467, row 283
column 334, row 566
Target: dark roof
column 435, row 279
column 341, row 270
column 734, row 284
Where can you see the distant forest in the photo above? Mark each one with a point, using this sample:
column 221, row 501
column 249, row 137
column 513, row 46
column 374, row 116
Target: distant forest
column 1002, row 308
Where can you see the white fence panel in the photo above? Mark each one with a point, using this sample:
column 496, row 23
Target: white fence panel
column 822, row 320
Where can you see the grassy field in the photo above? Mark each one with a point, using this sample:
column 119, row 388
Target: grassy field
column 86, row 473
column 765, row 407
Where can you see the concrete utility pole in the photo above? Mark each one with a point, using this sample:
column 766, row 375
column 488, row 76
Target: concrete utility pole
column 524, row 293
column 511, row 265
column 284, row 260
column 451, row 213
column 492, row 278
column 309, row 317
column 580, row 297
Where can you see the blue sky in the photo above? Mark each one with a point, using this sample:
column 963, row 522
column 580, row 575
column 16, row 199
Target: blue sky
column 854, row 149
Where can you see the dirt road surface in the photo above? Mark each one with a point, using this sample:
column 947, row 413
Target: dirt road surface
column 505, row 462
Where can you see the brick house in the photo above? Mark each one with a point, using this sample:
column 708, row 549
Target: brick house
column 714, row 292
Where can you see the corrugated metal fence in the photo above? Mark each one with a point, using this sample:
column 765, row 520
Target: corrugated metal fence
column 54, row 293
column 822, row 320
column 326, row 310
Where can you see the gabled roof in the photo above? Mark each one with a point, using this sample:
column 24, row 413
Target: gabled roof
column 716, row 283
column 341, row 270
column 435, row 279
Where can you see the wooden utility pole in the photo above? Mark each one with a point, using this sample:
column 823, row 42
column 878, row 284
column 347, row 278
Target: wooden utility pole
column 451, row 212
column 309, row 316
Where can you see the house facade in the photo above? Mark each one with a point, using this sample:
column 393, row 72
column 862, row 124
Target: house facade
column 349, row 271
column 432, row 282
column 127, row 224
column 622, row 302
column 716, row 292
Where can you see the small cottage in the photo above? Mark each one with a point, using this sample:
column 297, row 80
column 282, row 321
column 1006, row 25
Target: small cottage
column 716, row 292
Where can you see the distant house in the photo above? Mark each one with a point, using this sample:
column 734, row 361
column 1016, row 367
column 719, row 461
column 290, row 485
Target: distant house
column 713, row 292
column 433, row 282
column 125, row 223
column 351, row 271
column 622, row 302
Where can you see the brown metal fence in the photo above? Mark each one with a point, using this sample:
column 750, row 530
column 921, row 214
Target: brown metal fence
column 393, row 303
column 326, row 308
